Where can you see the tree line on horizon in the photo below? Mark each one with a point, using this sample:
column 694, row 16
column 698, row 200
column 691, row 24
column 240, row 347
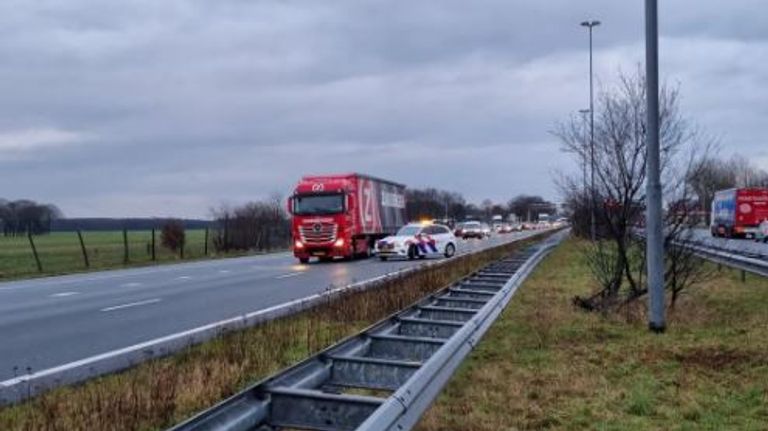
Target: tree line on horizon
column 24, row 216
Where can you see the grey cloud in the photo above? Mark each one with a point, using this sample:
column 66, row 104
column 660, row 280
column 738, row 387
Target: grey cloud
column 190, row 103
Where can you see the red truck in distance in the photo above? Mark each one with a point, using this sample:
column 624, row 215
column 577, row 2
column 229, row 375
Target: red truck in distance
column 343, row 215
column 739, row 212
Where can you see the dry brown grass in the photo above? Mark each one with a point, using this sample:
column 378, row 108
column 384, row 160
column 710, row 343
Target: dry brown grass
column 547, row 365
column 162, row 392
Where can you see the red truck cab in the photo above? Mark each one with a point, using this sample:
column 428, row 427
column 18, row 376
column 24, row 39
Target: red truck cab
column 343, row 215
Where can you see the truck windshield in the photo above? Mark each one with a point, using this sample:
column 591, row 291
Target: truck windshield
column 318, row 204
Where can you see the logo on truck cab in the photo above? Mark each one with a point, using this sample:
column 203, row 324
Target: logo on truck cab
column 318, row 187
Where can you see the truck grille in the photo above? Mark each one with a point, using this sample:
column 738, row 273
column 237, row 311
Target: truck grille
column 318, row 233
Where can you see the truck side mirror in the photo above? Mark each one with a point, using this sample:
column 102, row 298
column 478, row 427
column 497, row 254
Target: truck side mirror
column 289, row 205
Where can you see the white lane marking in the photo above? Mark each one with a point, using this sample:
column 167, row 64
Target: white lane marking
column 132, row 304
column 134, row 284
column 183, row 277
column 224, row 271
column 294, row 274
column 64, row 294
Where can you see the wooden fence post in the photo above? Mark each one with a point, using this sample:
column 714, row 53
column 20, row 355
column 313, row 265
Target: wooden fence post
column 34, row 252
column 154, row 256
column 125, row 245
column 205, row 247
column 82, row 248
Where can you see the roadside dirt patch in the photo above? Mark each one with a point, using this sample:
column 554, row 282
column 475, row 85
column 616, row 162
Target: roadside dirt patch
column 719, row 358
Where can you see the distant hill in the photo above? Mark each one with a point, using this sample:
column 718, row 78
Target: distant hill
column 95, row 223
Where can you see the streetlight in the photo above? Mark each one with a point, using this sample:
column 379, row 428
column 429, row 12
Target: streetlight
column 584, row 113
column 590, row 25
column 654, row 236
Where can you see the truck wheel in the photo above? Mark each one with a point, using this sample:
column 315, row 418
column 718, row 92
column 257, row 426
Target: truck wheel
column 304, row 260
column 450, row 250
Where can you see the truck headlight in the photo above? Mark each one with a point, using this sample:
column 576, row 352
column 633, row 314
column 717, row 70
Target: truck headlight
column 298, row 244
column 339, row 243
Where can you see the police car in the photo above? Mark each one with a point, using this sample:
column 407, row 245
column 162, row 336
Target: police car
column 418, row 240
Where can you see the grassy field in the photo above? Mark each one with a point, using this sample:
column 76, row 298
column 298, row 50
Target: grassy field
column 60, row 252
column 159, row 393
column 546, row 365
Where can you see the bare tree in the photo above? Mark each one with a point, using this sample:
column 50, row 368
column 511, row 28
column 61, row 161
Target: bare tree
column 173, row 235
column 617, row 200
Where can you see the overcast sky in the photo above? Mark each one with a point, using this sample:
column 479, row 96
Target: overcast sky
column 167, row 108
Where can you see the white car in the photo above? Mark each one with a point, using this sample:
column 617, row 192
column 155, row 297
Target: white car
column 486, row 229
column 762, row 232
column 418, row 240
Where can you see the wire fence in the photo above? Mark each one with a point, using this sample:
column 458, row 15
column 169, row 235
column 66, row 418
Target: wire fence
column 65, row 252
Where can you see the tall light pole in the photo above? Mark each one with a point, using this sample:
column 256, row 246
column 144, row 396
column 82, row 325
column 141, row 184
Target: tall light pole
column 584, row 113
column 654, row 234
column 593, row 230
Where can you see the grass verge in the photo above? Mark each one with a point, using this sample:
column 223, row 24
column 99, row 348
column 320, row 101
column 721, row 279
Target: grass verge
column 547, row 365
column 159, row 393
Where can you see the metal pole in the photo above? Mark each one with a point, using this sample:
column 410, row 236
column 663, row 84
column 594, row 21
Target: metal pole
column 593, row 229
column 655, row 240
column 584, row 185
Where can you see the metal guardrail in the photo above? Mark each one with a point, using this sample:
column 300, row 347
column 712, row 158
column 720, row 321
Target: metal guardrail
column 387, row 376
column 744, row 261
column 749, row 263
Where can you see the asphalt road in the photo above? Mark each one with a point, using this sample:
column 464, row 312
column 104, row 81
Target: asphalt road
column 53, row 321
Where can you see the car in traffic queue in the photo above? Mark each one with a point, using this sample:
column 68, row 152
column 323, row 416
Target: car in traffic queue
column 418, row 240
column 471, row 229
column 762, row 232
column 486, row 229
column 505, row 228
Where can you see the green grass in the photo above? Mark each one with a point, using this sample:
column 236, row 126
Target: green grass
column 547, row 365
column 60, row 252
